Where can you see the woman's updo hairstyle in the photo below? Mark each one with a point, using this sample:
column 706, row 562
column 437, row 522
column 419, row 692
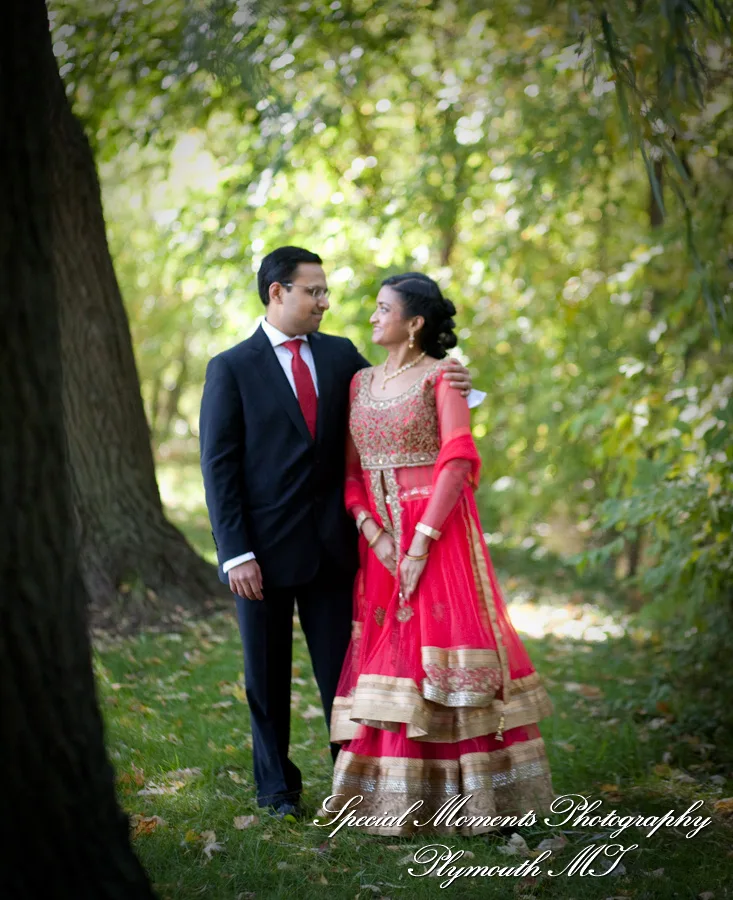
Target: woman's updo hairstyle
column 421, row 296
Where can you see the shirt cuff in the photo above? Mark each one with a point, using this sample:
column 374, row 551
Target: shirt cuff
column 237, row 561
column 475, row 398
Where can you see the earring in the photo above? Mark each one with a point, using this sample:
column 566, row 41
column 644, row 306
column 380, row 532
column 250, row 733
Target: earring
column 412, row 341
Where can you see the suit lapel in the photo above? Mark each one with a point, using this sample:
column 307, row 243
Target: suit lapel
column 276, row 382
column 324, row 373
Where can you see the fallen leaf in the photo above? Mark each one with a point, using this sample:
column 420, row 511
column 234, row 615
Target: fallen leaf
column 312, row 712
column 568, row 748
column 145, row 824
column 586, row 690
column 211, row 845
column 553, row 843
column 706, row 895
column 724, row 807
column 684, row 778
column 605, row 866
column 514, row 846
column 184, row 773
column 242, row 822
column 282, row 865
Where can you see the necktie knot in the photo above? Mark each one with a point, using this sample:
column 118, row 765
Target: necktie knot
column 293, row 346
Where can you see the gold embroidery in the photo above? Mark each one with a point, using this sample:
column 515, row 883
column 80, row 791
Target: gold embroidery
column 425, row 490
column 505, row 782
column 483, row 587
column 380, row 699
column 379, row 614
column 400, row 431
column 380, row 500
column 460, row 677
column 438, row 611
column 390, row 482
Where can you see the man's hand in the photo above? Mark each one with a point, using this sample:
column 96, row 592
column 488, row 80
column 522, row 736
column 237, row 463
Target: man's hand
column 245, row 580
column 459, row 377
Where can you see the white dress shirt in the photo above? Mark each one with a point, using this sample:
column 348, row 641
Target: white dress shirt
column 285, row 358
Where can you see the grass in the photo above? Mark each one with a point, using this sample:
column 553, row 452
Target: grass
column 177, row 731
column 175, row 702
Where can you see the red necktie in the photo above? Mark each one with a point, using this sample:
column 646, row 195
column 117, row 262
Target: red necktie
column 304, row 386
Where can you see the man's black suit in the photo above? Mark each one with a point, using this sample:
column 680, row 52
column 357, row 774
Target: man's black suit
column 275, row 491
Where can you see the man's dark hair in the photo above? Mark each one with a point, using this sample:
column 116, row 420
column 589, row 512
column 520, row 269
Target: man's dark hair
column 280, row 266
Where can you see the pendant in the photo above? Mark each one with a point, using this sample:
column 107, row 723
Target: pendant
column 404, row 614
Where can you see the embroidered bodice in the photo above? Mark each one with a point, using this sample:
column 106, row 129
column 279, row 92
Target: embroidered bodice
column 399, row 431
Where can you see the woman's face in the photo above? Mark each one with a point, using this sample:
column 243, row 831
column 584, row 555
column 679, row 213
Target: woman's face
column 388, row 326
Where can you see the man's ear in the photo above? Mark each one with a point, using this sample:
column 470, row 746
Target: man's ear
column 275, row 292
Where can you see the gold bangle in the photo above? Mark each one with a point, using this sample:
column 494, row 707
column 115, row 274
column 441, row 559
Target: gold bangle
column 361, row 518
column 416, row 558
column 427, row 530
column 376, row 537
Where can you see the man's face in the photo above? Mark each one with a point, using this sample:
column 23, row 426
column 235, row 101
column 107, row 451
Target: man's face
column 299, row 306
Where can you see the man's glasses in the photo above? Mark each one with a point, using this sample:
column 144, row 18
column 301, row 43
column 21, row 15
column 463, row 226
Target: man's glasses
column 317, row 292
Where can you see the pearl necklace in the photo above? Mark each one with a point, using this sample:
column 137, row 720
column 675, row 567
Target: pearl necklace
column 386, row 377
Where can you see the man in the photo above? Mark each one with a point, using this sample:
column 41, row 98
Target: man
column 272, row 430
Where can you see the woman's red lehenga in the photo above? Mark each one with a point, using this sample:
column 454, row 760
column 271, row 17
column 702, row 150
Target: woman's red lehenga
column 447, row 702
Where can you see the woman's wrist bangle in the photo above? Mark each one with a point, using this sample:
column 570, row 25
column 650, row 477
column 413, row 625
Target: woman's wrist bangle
column 416, row 558
column 376, row 537
column 427, row 530
column 361, row 518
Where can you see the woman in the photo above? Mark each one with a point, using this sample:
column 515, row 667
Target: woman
column 437, row 696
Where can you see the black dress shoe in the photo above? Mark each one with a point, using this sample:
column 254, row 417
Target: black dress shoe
column 285, row 808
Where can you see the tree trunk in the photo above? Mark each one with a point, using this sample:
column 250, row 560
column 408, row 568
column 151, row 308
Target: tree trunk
column 68, row 837
column 135, row 564
column 173, row 396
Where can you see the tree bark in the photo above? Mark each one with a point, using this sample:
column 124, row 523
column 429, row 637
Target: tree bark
column 136, row 565
column 68, row 836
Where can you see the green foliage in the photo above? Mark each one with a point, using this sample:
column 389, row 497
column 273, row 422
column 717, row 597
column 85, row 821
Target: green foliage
column 565, row 174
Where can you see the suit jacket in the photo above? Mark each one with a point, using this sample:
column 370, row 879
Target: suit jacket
column 270, row 487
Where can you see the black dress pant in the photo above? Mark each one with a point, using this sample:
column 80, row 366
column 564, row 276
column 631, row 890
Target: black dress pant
column 266, row 628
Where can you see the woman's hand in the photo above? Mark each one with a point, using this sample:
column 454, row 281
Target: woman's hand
column 410, row 572
column 385, row 552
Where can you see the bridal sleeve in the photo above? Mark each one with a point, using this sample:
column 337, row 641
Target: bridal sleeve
column 458, row 457
column 355, row 495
